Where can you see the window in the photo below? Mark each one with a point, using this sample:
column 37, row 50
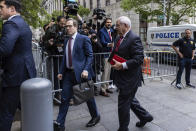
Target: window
column 84, row 3
column 91, row 4
column 98, row 4
column 107, row 2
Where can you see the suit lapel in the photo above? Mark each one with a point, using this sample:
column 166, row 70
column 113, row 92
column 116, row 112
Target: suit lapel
column 124, row 40
column 75, row 44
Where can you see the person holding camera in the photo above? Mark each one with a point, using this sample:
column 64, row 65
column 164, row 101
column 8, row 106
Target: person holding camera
column 106, row 40
column 53, row 45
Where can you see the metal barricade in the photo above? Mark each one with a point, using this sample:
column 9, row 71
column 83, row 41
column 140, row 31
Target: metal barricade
column 38, row 57
column 50, row 69
column 158, row 64
column 98, row 67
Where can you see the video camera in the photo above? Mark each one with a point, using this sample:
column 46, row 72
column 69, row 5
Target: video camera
column 100, row 13
column 72, row 6
column 58, row 37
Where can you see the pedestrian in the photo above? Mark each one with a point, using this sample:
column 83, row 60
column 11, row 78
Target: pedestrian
column 106, row 39
column 186, row 54
column 127, row 76
column 18, row 66
column 76, row 65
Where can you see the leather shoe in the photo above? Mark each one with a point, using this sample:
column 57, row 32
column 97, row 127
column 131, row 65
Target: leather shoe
column 109, row 91
column 143, row 122
column 93, row 121
column 57, row 127
column 104, row 94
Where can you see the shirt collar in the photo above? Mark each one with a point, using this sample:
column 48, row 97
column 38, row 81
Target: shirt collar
column 126, row 33
column 12, row 16
column 74, row 36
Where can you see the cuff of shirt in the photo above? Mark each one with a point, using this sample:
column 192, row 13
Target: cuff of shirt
column 124, row 64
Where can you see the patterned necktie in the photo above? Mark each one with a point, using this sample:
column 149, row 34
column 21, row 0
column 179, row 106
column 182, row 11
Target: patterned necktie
column 118, row 43
column 110, row 35
column 69, row 52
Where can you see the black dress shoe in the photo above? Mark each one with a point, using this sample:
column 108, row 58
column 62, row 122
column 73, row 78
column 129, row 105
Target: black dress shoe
column 93, row 121
column 57, row 127
column 143, row 123
column 109, row 91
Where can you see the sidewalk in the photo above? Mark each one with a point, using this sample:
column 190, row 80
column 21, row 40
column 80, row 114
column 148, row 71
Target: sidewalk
column 173, row 110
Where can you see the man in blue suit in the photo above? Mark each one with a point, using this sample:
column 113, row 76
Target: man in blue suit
column 106, row 40
column 76, row 64
column 15, row 47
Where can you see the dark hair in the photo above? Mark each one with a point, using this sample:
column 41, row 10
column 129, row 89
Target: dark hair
column 75, row 23
column 15, row 3
column 107, row 19
column 187, row 29
column 59, row 18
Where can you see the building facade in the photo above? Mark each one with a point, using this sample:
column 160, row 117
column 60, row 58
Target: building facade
column 113, row 10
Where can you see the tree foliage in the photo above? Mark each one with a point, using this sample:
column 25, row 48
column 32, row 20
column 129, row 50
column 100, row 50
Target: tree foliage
column 32, row 12
column 175, row 9
column 83, row 11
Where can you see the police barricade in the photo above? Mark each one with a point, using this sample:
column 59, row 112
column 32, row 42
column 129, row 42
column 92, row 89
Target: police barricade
column 50, row 69
column 159, row 64
column 38, row 57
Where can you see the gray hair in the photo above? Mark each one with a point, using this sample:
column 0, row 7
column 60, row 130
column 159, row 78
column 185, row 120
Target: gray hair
column 124, row 20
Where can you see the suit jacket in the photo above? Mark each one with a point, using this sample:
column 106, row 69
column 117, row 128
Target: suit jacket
column 82, row 57
column 132, row 50
column 105, row 39
column 16, row 48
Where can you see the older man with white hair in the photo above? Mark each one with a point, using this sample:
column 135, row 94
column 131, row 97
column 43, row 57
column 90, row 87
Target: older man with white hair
column 128, row 73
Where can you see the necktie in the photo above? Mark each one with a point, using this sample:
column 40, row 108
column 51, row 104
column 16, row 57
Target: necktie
column 69, row 52
column 110, row 35
column 118, row 43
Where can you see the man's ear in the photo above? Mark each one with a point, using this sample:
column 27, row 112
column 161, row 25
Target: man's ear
column 12, row 8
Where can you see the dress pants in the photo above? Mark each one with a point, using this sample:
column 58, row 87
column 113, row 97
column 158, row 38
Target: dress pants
column 125, row 103
column 106, row 74
column 69, row 81
column 187, row 63
column 9, row 102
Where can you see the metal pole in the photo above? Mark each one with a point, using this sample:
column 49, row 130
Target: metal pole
column 36, row 104
column 164, row 11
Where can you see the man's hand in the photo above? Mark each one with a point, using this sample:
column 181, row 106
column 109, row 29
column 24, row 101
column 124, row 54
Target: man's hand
column 60, row 76
column 192, row 57
column 117, row 65
column 181, row 55
column 84, row 74
column 51, row 41
column 110, row 45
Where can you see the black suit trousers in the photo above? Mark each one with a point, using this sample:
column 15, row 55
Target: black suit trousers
column 125, row 103
column 9, row 102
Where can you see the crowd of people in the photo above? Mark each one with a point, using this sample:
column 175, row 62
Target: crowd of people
column 77, row 46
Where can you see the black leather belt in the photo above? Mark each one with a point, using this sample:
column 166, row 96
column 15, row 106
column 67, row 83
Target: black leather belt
column 71, row 70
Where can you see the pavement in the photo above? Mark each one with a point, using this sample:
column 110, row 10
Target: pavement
column 172, row 109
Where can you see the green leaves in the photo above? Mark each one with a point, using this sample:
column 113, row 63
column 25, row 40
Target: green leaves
column 153, row 9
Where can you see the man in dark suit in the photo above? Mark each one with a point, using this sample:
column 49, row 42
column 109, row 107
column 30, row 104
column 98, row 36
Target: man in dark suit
column 105, row 35
column 76, row 64
column 127, row 75
column 15, row 47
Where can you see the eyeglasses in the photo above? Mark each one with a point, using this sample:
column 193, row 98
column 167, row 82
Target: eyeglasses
column 66, row 26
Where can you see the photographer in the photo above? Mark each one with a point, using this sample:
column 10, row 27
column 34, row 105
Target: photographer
column 55, row 36
column 53, row 45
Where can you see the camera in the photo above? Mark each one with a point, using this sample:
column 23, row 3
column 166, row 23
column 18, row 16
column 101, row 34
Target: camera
column 58, row 36
column 72, row 6
column 99, row 12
